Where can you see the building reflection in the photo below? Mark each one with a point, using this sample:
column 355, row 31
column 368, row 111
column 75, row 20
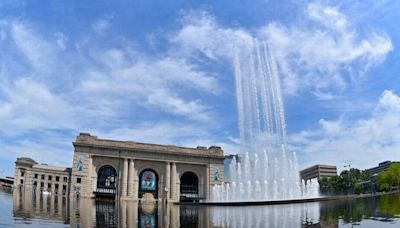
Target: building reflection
column 45, row 207
column 293, row 215
column 109, row 213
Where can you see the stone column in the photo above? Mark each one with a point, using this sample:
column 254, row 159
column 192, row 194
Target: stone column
column 92, row 177
column 130, row 178
column 135, row 185
column 173, row 182
column 45, row 202
column 122, row 216
column 37, row 201
column 59, row 205
column 38, row 185
column 28, row 182
column 53, row 185
column 207, row 184
column 174, row 217
column 167, row 181
column 166, row 219
column 52, row 202
column 132, row 214
column 125, row 178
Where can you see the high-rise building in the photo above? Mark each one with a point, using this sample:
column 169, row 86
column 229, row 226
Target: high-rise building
column 318, row 171
column 383, row 166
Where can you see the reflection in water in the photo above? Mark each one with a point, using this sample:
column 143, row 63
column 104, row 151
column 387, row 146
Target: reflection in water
column 390, row 205
column 384, row 208
column 38, row 210
column 50, row 208
column 105, row 214
column 189, row 216
column 148, row 215
column 294, row 215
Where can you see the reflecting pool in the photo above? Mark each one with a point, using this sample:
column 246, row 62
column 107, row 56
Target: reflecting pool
column 19, row 210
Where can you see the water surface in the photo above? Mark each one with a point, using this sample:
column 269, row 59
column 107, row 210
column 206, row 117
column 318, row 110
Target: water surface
column 26, row 210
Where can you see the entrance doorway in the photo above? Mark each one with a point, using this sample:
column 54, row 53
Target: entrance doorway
column 106, row 181
column 189, row 187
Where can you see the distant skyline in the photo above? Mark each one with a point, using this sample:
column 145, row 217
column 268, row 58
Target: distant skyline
column 161, row 72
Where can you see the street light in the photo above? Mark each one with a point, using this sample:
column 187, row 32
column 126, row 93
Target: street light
column 349, row 177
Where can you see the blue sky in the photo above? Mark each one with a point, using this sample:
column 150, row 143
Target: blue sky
column 161, row 72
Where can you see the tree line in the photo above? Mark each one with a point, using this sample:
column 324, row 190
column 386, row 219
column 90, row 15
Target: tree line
column 390, row 178
column 360, row 181
column 346, row 183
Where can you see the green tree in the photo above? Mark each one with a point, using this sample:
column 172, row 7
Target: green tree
column 389, row 178
column 366, row 175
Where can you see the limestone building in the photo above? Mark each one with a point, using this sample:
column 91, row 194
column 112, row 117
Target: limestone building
column 31, row 176
column 127, row 170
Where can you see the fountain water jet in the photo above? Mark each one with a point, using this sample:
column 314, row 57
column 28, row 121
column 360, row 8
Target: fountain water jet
column 262, row 128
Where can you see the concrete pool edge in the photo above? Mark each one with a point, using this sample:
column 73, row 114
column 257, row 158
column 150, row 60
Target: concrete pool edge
column 278, row 202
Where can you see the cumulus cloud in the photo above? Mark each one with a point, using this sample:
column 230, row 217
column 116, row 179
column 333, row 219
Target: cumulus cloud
column 326, row 55
column 162, row 83
column 363, row 142
column 57, row 83
column 106, row 81
column 31, row 105
column 201, row 33
column 110, row 91
column 323, row 54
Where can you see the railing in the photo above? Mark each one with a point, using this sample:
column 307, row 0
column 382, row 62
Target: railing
column 189, row 192
column 192, row 189
column 106, row 190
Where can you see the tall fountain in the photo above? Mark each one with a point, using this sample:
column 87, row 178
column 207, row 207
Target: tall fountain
column 264, row 170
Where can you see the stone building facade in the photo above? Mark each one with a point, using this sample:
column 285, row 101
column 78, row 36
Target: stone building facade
column 131, row 171
column 35, row 177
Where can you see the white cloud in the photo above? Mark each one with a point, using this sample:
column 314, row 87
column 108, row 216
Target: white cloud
column 326, row 53
column 38, row 51
column 159, row 132
column 156, row 82
column 112, row 91
column 329, row 16
column 363, row 143
column 102, row 24
column 30, row 105
column 200, row 32
column 52, row 149
column 171, row 133
column 103, row 85
column 61, row 40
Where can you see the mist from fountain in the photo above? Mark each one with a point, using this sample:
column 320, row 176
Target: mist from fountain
column 263, row 170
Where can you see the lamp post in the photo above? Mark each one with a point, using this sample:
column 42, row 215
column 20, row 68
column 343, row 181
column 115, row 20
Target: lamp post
column 349, row 178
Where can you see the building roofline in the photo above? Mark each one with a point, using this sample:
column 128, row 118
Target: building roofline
column 87, row 140
column 321, row 165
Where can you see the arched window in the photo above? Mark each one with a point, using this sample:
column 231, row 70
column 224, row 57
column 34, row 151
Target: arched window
column 107, row 176
column 148, row 182
column 189, row 186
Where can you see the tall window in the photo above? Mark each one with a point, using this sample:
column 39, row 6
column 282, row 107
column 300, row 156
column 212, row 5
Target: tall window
column 148, row 180
column 107, row 176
